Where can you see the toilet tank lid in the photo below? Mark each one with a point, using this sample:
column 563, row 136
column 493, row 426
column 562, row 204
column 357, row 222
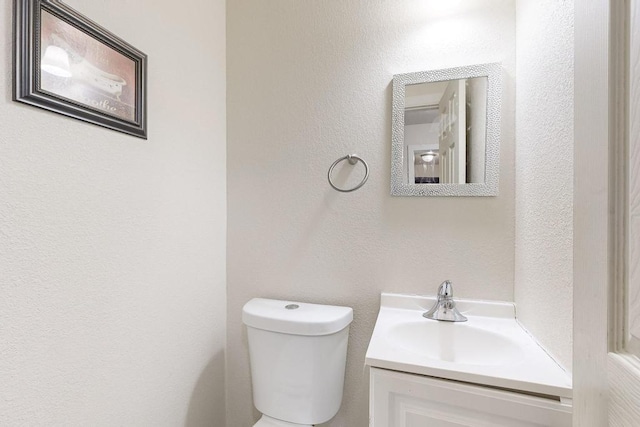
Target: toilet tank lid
column 296, row 318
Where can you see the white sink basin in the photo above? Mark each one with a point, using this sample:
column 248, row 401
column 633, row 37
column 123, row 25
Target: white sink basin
column 491, row 348
column 459, row 342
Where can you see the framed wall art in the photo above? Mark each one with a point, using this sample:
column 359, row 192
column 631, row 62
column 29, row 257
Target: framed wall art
column 66, row 63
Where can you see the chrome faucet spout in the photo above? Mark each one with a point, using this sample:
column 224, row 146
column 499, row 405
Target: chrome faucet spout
column 445, row 307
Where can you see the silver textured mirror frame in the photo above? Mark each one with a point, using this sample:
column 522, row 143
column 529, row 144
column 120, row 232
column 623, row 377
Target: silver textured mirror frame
column 399, row 187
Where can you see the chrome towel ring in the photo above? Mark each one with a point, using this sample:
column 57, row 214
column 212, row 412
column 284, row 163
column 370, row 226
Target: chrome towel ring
column 353, row 159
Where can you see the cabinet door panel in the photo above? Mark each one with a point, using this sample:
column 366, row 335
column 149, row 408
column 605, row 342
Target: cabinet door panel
column 406, row 400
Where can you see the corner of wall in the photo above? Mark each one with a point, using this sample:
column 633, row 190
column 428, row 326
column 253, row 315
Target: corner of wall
column 544, row 173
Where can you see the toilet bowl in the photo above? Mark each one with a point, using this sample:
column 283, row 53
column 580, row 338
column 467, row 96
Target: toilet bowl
column 298, row 354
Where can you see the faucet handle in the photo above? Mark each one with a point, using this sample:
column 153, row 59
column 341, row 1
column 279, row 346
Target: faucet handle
column 445, row 290
column 445, row 307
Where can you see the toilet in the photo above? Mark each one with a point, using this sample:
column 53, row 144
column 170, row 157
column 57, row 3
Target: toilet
column 298, row 354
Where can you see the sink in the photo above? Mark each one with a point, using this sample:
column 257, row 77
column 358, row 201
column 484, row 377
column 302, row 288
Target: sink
column 454, row 342
column 491, row 348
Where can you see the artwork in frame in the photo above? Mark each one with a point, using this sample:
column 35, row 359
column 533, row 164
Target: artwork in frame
column 66, row 63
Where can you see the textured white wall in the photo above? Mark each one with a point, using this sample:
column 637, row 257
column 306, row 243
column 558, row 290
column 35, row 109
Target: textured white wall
column 309, row 82
column 112, row 249
column 544, row 177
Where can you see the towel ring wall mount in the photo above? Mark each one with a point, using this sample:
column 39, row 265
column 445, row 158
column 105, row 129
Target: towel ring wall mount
column 352, row 159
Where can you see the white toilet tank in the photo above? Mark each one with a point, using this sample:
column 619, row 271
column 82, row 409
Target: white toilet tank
column 298, row 354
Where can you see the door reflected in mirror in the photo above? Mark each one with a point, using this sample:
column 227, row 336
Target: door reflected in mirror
column 445, row 131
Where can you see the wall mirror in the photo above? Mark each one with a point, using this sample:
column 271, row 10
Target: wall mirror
column 446, row 132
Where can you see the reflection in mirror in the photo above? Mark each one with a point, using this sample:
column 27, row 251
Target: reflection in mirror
column 446, row 132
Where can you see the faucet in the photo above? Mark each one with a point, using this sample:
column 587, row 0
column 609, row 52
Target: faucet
column 445, row 308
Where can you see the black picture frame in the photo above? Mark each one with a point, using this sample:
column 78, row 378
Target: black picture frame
column 66, row 63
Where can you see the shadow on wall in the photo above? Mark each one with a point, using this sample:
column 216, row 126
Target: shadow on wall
column 206, row 407
column 7, row 34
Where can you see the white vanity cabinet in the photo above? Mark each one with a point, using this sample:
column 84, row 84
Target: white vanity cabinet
column 487, row 371
column 400, row 399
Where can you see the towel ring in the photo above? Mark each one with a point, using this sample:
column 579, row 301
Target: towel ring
column 353, row 159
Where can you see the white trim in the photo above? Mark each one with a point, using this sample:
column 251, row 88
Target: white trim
column 618, row 174
column 606, row 377
column 624, row 409
column 591, row 213
column 624, row 368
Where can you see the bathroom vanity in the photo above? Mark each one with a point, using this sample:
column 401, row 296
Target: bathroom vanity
column 487, row 371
